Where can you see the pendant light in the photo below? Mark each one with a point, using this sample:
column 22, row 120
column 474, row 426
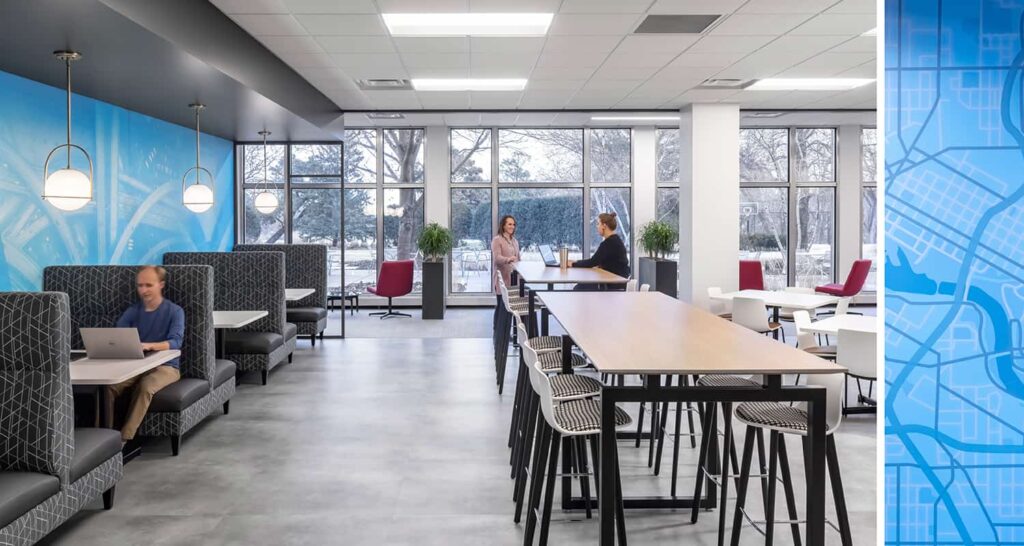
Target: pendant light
column 266, row 201
column 197, row 197
column 67, row 188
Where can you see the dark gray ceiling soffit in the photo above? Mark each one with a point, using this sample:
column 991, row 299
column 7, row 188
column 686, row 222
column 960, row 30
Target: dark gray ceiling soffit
column 135, row 68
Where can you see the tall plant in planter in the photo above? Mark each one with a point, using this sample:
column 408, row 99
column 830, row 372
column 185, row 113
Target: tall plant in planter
column 435, row 243
column 658, row 238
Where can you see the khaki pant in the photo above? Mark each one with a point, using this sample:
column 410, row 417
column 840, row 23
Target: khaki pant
column 146, row 385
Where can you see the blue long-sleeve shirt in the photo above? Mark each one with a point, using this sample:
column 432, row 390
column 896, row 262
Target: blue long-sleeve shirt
column 165, row 323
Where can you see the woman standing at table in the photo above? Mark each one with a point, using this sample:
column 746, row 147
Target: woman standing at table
column 504, row 253
column 610, row 254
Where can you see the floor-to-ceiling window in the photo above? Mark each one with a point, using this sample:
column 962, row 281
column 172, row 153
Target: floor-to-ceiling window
column 789, row 173
column 546, row 179
column 667, row 175
column 869, row 203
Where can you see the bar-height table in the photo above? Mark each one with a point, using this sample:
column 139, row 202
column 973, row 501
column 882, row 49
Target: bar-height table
column 296, row 294
column 657, row 335
column 538, row 273
column 777, row 299
column 232, row 319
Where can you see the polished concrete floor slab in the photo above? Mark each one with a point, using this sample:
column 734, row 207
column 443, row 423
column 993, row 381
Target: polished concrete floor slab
column 388, row 441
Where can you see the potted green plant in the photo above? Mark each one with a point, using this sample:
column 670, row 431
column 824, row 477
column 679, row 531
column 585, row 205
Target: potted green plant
column 658, row 239
column 435, row 242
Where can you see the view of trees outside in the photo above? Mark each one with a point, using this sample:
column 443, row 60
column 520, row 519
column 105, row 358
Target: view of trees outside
column 815, row 216
column 815, row 155
column 551, row 216
column 540, row 155
column 360, row 156
column 403, row 222
column 667, row 210
column 612, row 199
column 471, row 155
column 869, row 203
column 764, row 228
column 263, row 228
column 360, row 238
column 764, row 155
column 667, row 155
column 472, row 230
column 403, row 156
column 610, row 153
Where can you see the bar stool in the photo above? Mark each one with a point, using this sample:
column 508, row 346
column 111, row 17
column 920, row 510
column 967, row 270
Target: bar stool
column 782, row 419
column 579, row 420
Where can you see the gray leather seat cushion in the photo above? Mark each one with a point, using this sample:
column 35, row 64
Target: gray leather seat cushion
column 290, row 330
column 251, row 342
column 179, row 395
column 223, row 370
column 23, row 491
column 93, row 447
column 305, row 314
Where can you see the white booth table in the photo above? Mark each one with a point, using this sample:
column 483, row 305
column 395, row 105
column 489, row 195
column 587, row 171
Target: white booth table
column 232, row 319
column 832, row 325
column 777, row 299
column 104, row 372
column 296, row 294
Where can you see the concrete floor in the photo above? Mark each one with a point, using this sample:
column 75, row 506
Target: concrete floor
column 397, row 441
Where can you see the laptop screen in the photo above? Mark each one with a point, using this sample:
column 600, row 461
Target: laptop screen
column 547, row 255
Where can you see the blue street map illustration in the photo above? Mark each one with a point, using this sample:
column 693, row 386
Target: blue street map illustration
column 954, row 272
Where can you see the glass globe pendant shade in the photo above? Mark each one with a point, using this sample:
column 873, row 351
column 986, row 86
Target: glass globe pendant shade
column 67, row 189
column 198, row 198
column 266, row 202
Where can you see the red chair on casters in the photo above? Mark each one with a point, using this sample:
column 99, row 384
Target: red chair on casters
column 854, row 281
column 751, row 276
column 395, row 280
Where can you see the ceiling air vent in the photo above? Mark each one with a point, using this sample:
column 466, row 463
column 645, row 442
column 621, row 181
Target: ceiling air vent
column 761, row 114
column 724, row 83
column 383, row 84
column 675, row 24
column 385, row 115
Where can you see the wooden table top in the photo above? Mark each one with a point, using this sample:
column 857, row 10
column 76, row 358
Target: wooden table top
column 296, row 294
column 781, row 298
column 537, row 272
column 236, row 319
column 111, row 371
column 832, row 325
column 653, row 334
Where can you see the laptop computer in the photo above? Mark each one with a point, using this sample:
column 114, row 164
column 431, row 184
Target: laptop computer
column 119, row 343
column 548, row 255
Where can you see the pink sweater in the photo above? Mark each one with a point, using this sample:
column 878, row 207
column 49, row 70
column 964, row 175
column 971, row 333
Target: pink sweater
column 504, row 253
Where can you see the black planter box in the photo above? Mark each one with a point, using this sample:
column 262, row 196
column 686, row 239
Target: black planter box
column 660, row 274
column 433, row 290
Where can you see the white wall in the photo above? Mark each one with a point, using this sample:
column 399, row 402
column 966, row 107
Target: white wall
column 645, row 185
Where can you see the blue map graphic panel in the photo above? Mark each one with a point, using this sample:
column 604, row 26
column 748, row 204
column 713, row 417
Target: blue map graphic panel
column 136, row 214
column 954, row 272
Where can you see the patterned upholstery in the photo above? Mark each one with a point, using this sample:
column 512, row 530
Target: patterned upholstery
column 553, row 361
column 573, row 385
column 36, row 411
column 584, row 416
column 726, row 381
column 305, row 266
column 546, row 343
column 773, row 415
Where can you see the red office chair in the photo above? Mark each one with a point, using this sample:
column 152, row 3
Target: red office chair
column 854, row 281
column 395, row 280
column 751, row 276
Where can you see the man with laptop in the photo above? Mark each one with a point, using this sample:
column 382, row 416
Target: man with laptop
column 161, row 326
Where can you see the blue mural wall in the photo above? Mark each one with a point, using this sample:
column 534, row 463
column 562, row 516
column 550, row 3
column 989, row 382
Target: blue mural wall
column 136, row 214
column 954, row 275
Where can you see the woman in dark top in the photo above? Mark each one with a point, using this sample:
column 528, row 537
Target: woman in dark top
column 610, row 254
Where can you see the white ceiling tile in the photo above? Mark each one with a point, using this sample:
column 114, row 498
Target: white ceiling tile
column 855, row 6
column 351, row 100
column 535, row 119
column 827, row 65
column 330, row 6
column 582, row 24
column 502, row 65
column 356, row 44
column 705, row 95
column 342, row 25
column 553, row 85
column 573, row 44
column 609, row 87
column 633, row 60
column 544, row 100
column 720, row 60
column 604, row 6
column 602, row 101
column 270, row 25
column 860, row 44
column 367, row 60
column 729, row 44
column 625, row 72
column 393, row 99
column 785, row 6
column 743, row 24
column 848, row 24
column 375, row 71
column 696, row 7
column 291, row 44
column 568, row 72
column 327, row 78
column 250, row 6
column 419, row 6
column 681, row 79
column 521, row 44
column 654, row 43
column 425, row 119
column 518, row 6
column 866, row 70
column 436, row 60
column 434, row 72
column 432, row 45
column 633, row 103
column 307, row 60
column 494, row 99
column 550, row 59
column 462, row 119
column 444, row 100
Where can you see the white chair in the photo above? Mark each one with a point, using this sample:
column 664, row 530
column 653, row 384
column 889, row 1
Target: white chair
column 752, row 313
column 645, row 288
column 842, row 308
column 858, row 354
column 719, row 307
column 632, row 285
column 806, row 340
column 781, row 420
column 785, row 313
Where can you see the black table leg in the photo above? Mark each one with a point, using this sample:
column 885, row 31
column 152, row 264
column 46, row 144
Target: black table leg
column 544, row 321
column 531, row 322
column 816, row 469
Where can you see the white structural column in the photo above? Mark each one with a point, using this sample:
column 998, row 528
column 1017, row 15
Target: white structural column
column 644, row 187
column 709, row 193
column 848, row 199
column 436, row 200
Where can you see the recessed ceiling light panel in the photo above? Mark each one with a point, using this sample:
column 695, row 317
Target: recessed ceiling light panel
column 468, row 84
column 468, row 24
column 809, row 84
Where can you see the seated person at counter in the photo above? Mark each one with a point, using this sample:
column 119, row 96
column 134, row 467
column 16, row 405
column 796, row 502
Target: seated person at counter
column 610, row 254
column 161, row 326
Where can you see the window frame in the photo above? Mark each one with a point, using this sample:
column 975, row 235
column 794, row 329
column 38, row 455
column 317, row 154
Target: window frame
column 864, row 184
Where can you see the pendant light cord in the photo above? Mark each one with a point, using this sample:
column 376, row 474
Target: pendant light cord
column 67, row 64
column 197, row 144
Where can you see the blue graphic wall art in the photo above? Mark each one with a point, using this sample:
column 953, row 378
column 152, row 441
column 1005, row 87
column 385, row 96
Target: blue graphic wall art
column 136, row 214
column 954, row 198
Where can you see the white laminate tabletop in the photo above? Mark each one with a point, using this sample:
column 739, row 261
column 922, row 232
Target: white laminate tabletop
column 832, row 325
column 654, row 334
column 296, row 294
column 236, row 319
column 111, row 371
column 537, row 272
column 781, row 298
